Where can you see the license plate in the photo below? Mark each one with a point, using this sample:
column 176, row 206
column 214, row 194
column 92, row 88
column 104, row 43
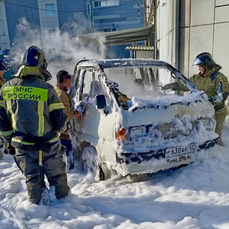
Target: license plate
column 177, row 151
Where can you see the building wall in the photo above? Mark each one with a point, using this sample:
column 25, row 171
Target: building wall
column 128, row 14
column 203, row 27
column 49, row 17
column 18, row 9
column 221, row 33
column 166, row 30
column 125, row 15
column 4, row 34
column 35, row 12
column 72, row 10
column 166, row 24
column 52, row 14
column 209, row 29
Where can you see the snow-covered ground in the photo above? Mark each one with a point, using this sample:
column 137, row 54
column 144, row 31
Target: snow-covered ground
column 195, row 196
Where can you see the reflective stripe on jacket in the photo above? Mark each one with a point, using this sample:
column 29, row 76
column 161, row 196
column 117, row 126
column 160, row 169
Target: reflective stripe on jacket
column 30, row 107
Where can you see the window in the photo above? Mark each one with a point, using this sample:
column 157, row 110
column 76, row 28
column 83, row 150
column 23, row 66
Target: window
column 107, row 20
column 50, row 9
column 97, row 4
column 106, row 30
column 104, row 3
column 89, row 9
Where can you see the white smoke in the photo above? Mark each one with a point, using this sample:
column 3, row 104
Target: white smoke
column 63, row 50
column 61, row 47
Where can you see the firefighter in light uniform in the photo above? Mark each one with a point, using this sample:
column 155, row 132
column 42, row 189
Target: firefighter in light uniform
column 208, row 79
column 31, row 117
column 3, row 68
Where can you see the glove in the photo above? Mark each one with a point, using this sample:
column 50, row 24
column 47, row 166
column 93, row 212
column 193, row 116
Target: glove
column 173, row 86
column 80, row 109
column 216, row 98
column 11, row 150
column 219, row 98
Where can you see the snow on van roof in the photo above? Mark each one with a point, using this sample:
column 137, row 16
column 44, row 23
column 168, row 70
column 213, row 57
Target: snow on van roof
column 124, row 62
column 100, row 64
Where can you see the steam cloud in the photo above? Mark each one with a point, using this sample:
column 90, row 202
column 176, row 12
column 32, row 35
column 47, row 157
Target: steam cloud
column 61, row 47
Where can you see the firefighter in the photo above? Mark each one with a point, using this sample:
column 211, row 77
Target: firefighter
column 31, row 117
column 63, row 85
column 213, row 82
column 3, row 68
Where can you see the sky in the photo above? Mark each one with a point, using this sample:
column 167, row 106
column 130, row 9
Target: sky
column 195, row 196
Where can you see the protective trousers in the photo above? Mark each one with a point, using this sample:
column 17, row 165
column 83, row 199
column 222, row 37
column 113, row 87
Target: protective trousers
column 219, row 125
column 1, row 147
column 52, row 166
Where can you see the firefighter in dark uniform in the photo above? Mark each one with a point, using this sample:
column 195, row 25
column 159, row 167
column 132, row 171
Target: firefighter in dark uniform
column 31, row 118
column 3, row 68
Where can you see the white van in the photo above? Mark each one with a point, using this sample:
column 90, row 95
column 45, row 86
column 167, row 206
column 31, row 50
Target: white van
column 133, row 127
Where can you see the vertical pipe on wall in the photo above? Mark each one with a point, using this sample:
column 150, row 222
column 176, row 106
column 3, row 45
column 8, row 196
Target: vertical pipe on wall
column 155, row 29
column 145, row 19
column 213, row 30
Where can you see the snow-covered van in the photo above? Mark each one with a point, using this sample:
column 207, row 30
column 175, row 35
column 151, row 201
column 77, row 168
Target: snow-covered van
column 130, row 125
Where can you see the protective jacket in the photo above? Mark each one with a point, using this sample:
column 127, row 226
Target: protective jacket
column 67, row 102
column 209, row 83
column 31, row 115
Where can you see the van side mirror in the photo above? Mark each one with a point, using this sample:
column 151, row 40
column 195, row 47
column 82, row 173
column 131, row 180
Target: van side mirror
column 100, row 101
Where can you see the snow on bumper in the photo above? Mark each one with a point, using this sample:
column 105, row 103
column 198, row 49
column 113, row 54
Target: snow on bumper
column 153, row 161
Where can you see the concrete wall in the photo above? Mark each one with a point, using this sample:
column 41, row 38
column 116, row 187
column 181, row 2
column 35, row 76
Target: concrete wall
column 166, row 30
column 221, row 35
column 209, row 32
column 167, row 34
column 201, row 30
